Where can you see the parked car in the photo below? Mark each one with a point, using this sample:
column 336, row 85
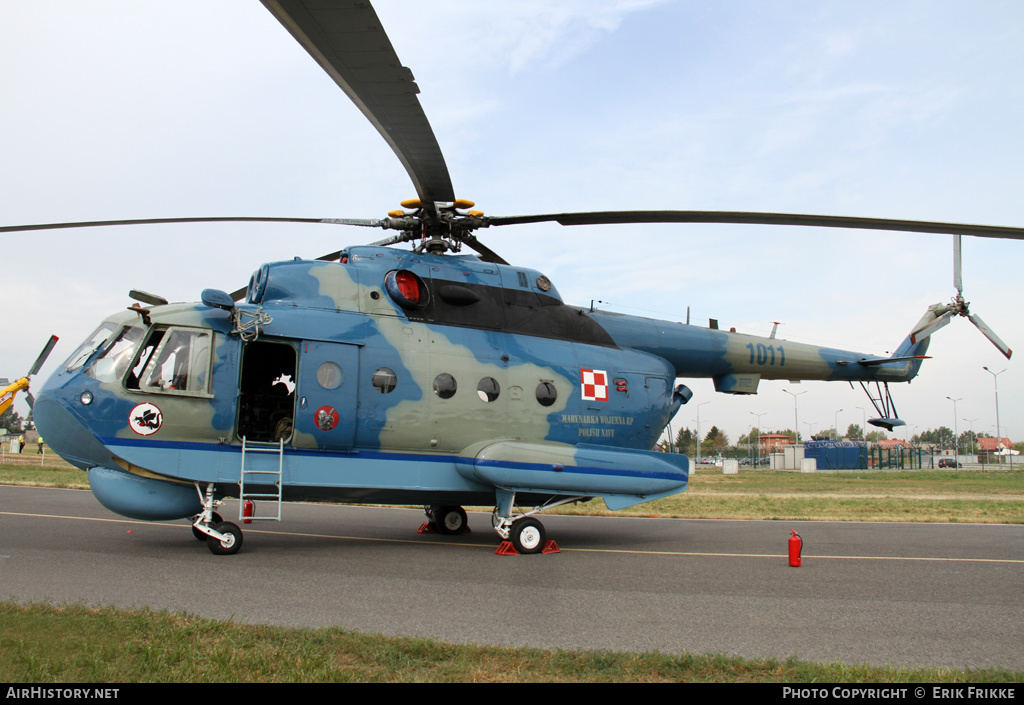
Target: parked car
column 949, row 463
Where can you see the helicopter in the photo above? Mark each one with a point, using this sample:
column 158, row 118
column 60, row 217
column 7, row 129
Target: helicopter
column 428, row 376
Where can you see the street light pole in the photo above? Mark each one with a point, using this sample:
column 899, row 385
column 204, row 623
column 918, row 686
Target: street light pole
column 956, row 437
column 995, row 381
column 974, row 440
column 698, row 433
column 835, row 431
column 759, row 431
column 796, row 418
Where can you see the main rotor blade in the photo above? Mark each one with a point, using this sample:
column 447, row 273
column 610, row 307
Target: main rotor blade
column 47, row 349
column 350, row 44
column 486, row 253
column 990, row 334
column 151, row 221
column 757, row 218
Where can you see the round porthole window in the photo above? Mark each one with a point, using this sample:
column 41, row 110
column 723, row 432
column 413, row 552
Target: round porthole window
column 488, row 389
column 384, row 380
column 445, row 386
column 546, row 394
column 329, row 375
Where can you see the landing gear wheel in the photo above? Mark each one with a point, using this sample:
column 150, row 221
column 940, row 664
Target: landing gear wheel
column 450, row 521
column 528, row 535
column 232, row 539
column 200, row 536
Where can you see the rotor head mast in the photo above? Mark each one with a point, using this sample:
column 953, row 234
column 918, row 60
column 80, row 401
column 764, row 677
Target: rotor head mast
column 440, row 229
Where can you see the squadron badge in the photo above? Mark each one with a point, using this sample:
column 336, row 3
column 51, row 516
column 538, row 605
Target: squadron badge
column 146, row 419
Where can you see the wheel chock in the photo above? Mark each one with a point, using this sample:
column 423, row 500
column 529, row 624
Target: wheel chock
column 426, row 528
column 507, row 549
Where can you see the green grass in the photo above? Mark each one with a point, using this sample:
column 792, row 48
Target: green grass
column 48, row 644
column 47, row 471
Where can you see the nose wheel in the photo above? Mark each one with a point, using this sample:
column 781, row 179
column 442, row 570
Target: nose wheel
column 222, row 537
column 229, row 542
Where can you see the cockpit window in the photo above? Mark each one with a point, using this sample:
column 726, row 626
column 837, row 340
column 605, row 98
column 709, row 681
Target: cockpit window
column 111, row 365
column 94, row 342
column 174, row 361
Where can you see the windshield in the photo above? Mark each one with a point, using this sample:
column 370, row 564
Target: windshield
column 117, row 356
column 93, row 343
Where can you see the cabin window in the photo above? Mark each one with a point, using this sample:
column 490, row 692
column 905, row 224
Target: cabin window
column 488, row 389
column 330, row 375
column 174, row 361
column 384, row 380
column 445, row 386
column 546, row 394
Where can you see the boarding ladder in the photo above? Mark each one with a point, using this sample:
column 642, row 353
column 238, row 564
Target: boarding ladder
column 261, row 478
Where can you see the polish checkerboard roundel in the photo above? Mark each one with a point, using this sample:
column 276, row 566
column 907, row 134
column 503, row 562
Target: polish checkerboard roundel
column 595, row 385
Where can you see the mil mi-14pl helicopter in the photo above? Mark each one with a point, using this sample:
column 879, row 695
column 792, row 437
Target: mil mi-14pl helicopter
column 432, row 376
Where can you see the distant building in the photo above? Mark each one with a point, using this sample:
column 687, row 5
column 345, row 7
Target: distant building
column 773, row 442
column 991, row 445
column 891, row 443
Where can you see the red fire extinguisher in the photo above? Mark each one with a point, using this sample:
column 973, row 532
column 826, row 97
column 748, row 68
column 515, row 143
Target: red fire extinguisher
column 248, row 510
column 796, row 545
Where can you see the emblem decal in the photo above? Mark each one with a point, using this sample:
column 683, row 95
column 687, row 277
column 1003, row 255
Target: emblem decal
column 146, row 419
column 595, row 385
column 326, row 418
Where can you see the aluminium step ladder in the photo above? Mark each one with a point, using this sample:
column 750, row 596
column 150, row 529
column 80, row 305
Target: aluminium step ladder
column 262, row 479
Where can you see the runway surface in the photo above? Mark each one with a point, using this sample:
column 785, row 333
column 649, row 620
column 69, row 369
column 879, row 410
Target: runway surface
column 895, row 593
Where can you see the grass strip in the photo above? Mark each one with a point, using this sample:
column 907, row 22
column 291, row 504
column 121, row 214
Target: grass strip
column 42, row 643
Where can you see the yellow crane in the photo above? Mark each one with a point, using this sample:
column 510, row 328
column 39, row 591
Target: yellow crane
column 8, row 393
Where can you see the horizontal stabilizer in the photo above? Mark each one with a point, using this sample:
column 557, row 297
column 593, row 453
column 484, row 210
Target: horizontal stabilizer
column 883, row 360
column 887, row 424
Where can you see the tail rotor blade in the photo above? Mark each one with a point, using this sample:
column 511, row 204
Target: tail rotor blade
column 929, row 328
column 43, row 355
column 31, row 406
column 990, row 334
column 957, row 279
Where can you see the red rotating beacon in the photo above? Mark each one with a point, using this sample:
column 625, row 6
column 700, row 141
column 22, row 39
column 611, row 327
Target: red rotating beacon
column 796, row 545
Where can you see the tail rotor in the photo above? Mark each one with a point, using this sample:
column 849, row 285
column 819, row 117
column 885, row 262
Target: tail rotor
column 943, row 313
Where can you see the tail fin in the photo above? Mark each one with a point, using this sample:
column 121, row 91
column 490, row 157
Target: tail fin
column 914, row 346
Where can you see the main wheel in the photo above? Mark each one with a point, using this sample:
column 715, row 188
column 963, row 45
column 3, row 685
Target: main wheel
column 528, row 535
column 230, row 544
column 450, row 521
column 200, row 536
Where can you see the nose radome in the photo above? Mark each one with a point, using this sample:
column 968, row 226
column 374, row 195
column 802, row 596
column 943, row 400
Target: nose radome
column 65, row 434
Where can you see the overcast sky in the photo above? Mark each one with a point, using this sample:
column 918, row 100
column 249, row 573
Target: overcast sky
column 120, row 109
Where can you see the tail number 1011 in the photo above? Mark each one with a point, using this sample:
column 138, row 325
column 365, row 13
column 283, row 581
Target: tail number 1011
column 762, row 354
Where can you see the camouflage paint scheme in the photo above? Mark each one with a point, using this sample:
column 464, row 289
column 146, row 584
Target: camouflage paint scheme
column 407, row 444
